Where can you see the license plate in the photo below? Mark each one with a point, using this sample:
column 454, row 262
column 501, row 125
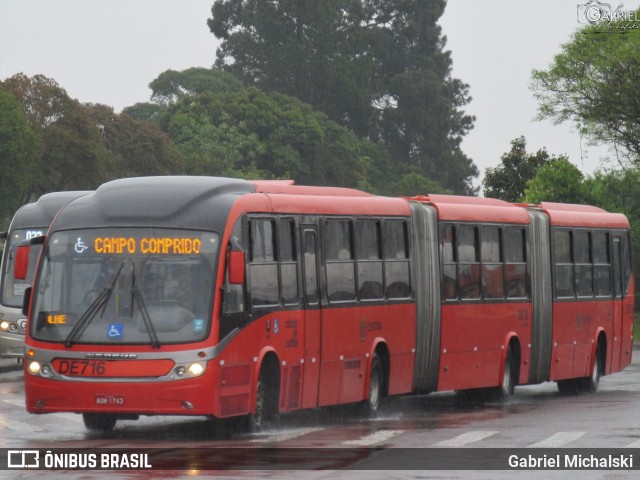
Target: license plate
column 80, row 368
column 109, row 399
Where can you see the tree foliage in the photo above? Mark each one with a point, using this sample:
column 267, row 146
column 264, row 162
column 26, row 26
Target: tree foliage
column 557, row 181
column 171, row 85
column 592, row 82
column 18, row 148
column 375, row 67
column 80, row 146
column 254, row 134
column 508, row 180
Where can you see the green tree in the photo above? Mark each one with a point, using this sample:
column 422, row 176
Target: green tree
column 70, row 155
column 171, row 85
column 251, row 133
column 18, row 148
column 143, row 110
column 135, row 147
column 508, row 180
column 558, row 181
column 375, row 67
column 592, row 82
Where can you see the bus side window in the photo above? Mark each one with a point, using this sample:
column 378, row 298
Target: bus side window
column 469, row 262
column 288, row 261
column 263, row 266
column 449, row 264
column 584, row 263
column 491, row 258
column 340, row 262
column 515, row 273
column 396, row 255
column 626, row 262
column 601, row 264
column 562, row 249
column 368, row 253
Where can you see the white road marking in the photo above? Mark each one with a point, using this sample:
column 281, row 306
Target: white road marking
column 466, row 438
column 558, row 440
column 374, row 438
column 286, row 435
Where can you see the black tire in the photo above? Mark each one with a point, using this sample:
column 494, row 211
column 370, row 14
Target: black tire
column 509, row 379
column 266, row 403
column 376, row 386
column 568, row 387
column 590, row 384
column 99, row 422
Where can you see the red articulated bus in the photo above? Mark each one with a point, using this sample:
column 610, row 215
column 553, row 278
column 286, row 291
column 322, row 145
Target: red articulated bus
column 224, row 297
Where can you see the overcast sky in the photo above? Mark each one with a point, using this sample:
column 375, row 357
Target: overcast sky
column 107, row 51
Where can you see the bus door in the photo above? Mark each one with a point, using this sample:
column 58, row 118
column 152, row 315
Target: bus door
column 312, row 315
column 618, row 293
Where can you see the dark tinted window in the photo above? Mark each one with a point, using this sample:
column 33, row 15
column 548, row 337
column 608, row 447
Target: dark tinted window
column 395, row 240
column 262, row 240
column 340, row 264
column 288, row 261
column 368, row 240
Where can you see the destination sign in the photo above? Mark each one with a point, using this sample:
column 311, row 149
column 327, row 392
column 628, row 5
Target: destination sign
column 148, row 246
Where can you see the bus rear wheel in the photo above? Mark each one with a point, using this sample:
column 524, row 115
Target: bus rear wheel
column 99, row 422
column 509, row 378
column 376, row 386
column 590, row 384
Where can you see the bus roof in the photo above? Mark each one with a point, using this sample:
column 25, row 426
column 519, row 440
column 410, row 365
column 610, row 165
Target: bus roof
column 288, row 188
column 206, row 202
column 475, row 209
column 572, row 215
column 162, row 201
column 41, row 212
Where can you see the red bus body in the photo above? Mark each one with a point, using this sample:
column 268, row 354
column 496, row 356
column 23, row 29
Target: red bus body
column 444, row 292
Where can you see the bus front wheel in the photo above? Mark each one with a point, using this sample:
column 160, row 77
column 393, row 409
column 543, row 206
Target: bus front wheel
column 99, row 422
column 266, row 402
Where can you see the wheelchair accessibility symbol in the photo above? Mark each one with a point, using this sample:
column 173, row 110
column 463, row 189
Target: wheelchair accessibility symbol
column 115, row 330
column 80, row 246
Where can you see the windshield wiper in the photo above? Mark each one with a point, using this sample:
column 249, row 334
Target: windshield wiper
column 139, row 299
column 100, row 302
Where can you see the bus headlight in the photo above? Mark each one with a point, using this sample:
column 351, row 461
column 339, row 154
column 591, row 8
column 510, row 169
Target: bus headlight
column 4, row 325
column 46, row 371
column 196, row 369
column 34, row 368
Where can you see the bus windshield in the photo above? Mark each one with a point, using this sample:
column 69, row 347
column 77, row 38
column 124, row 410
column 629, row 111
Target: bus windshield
column 13, row 289
column 125, row 286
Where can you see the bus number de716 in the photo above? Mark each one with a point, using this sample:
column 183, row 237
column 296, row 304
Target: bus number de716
column 81, row 368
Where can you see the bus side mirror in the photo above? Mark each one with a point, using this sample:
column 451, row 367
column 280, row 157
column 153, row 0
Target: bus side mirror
column 21, row 264
column 236, row 267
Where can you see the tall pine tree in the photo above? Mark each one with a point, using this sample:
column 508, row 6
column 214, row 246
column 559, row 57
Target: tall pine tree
column 376, row 66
